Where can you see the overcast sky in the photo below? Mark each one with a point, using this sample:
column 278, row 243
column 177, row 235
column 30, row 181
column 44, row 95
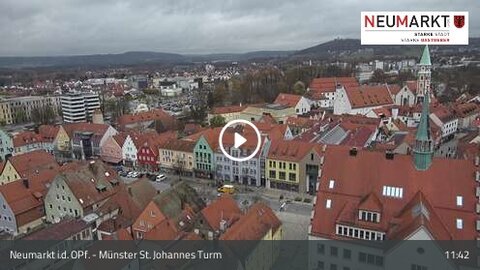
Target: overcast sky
column 66, row 27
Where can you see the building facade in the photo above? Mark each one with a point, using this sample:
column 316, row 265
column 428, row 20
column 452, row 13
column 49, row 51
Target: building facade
column 79, row 107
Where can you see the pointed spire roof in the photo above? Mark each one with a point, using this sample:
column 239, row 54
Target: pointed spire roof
column 425, row 60
column 423, row 130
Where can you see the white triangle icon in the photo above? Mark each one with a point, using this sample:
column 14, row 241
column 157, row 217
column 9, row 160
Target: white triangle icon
column 238, row 140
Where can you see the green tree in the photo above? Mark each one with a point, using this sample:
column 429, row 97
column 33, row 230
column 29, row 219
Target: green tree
column 299, row 88
column 217, row 121
column 378, row 76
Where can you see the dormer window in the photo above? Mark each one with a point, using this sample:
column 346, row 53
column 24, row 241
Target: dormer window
column 368, row 216
column 459, row 201
column 459, row 223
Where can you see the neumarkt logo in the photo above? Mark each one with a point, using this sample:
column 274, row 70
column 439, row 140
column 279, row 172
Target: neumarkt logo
column 402, row 28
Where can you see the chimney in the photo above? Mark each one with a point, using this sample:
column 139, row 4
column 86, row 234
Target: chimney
column 394, row 113
column 353, row 151
column 389, row 155
column 26, row 183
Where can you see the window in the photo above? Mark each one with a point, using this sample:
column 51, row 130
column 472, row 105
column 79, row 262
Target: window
column 333, row 266
column 320, row 248
column 292, row 177
column 320, row 265
column 282, row 175
column 459, row 200
column 347, row 254
column 418, row 267
column 331, row 184
column 272, row 174
column 334, row 251
column 362, row 257
column 459, row 223
column 395, row 192
column 328, row 204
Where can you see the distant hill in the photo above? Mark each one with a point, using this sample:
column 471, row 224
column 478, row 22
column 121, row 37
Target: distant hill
column 219, row 57
column 347, row 47
column 128, row 58
column 338, row 48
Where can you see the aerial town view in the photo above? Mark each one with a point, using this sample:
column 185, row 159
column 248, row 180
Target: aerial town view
column 314, row 135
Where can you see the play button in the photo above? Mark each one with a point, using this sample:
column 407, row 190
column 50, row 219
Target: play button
column 239, row 140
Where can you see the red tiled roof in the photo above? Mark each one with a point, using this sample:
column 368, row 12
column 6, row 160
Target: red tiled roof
column 254, row 225
column 48, row 132
column 59, row 231
column 368, row 172
column 291, row 150
column 466, row 109
column 27, row 203
column 120, row 138
column 157, row 114
column 329, row 84
column 26, row 137
column 289, row 100
column 33, row 162
column 228, row 109
column 165, row 230
column 83, row 178
column 179, row 145
column 368, row 96
column 443, row 113
column 155, row 141
column 223, row 208
column 97, row 129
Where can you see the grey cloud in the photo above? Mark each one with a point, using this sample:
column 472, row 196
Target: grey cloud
column 58, row 27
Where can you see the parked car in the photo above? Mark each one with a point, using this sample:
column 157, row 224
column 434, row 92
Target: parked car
column 160, row 178
column 122, row 173
column 133, row 174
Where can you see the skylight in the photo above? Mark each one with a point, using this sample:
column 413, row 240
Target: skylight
column 394, row 192
column 331, row 184
column 459, row 223
column 328, row 204
column 459, row 200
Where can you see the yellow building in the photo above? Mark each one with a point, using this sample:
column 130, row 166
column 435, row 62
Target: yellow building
column 229, row 113
column 280, row 113
column 177, row 155
column 9, row 173
column 293, row 166
column 21, row 109
column 62, row 141
column 26, row 165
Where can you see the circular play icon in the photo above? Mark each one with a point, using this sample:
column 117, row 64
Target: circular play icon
column 239, row 139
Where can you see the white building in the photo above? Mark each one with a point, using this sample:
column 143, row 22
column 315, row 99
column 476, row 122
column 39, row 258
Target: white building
column 446, row 121
column 247, row 172
column 301, row 104
column 129, row 150
column 79, row 107
column 361, row 100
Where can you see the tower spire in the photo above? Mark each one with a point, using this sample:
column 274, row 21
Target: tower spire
column 423, row 150
column 424, row 75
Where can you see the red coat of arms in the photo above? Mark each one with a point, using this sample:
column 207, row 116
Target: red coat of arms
column 459, row 21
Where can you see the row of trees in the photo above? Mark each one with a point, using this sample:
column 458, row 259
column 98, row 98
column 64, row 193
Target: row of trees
column 264, row 84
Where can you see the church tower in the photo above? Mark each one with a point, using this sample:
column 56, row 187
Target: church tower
column 424, row 75
column 423, row 149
